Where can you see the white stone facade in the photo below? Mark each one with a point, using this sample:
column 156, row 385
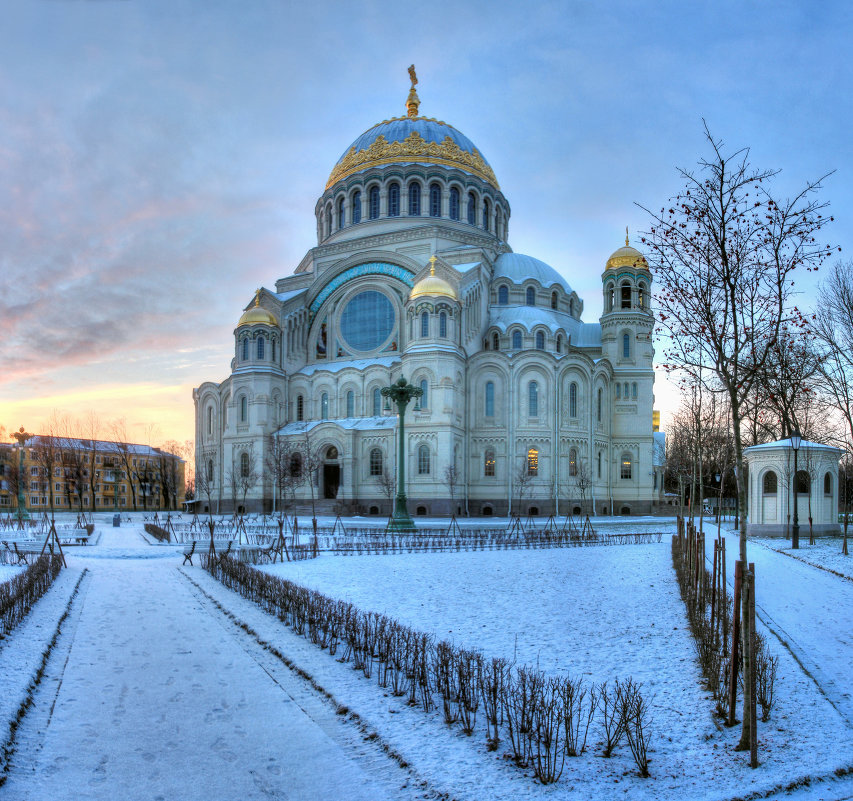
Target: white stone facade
column 770, row 508
column 522, row 396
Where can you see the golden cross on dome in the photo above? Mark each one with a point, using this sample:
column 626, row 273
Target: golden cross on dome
column 626, row 236
column 432, row 265
column 258, row 297
column 412, row 101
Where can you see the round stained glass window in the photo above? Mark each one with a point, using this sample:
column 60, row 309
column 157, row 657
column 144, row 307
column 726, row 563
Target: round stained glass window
column 367, row 320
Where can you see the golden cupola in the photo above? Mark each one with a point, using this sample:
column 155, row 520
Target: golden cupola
column 256, row 314
column 627, row 257
column 432, row 285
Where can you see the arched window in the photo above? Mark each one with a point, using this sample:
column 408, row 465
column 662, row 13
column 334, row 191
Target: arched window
column 618, row 391
column 499, row 222
column 634, row 391
column 487, row 219
column 608, row 297
column 625, row 471
column 331, row 453
column 295, row 465
column 625, row 390
column 377, row 402
column 350, row 404
column 210, row 469
column 496, row 342
column 625, row 294
column 442, row 324
column 244, row 464
column 373, row 203
column 516, row 340
column 489, row 463
column 454, row 203
column 571, row 307
column 394, row 200
column 414, row 199
column 802, row 483
column 424, row 399
column 472, row 208
column 553, row 300
column 244, row 409
column 559, row 343
column 272, row 344
column 434, row 200
column 532, row 462
column 321, row 348
column 770, row 483
column 245, row 354
column 375, row 462
column 531, row 296
column 573, row 399
column 341, row 221
column 490, row 399
column 209, row 419
column 598, row 406
column 599, row 464
column 356, row 207
column 573, row 462
column 324, row 406
column 423, row 460
column 626, row 346
column 827, row 484
column 300, row 408
column 641, row 296
column 261, row 344
column 540, row 340
column 328, row 220
column 424, row 324
column 503, row 295
column 533, row 399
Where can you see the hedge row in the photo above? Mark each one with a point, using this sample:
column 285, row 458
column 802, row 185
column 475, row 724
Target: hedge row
column 543, row 719
column 19, row 594
column 160, row 534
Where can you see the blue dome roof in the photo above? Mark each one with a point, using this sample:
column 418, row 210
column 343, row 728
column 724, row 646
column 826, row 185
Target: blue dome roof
column 412, row 140
column 518, row 268
column 400, row 129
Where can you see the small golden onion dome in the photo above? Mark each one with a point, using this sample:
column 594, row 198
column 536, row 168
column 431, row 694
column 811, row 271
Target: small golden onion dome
column 257, row 314
column 626, row 257
column 432, row 285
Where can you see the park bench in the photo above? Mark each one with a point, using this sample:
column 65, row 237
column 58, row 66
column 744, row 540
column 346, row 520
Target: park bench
column 13, row 549
column 188, row 555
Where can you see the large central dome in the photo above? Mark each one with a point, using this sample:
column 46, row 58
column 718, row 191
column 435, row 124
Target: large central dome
column 412, row 140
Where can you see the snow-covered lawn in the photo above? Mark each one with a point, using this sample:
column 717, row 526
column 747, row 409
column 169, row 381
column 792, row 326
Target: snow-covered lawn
column 825, row 553
column 599, row 612
column 9, row 571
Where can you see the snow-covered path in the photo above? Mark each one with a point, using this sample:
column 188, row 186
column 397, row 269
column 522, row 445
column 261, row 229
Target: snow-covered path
column 150, row 694
column 809, row 610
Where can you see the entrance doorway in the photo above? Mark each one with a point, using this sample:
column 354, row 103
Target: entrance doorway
column 331, row 474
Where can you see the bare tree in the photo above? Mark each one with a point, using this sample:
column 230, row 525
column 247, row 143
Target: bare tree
column 387, row 485
column 91, row 429
column 46, row 451
column 124, row 453
column 523, row 481
column 451, row 479
column 205, row 476
column 246, row 473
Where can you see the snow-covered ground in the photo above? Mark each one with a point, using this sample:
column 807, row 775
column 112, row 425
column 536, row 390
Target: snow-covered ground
column 164, row 684
column 825, row 553
column 9, row 571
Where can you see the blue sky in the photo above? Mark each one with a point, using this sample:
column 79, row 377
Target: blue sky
column 159, row 160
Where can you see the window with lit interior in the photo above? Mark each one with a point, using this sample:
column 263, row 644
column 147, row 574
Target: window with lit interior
column 367, row 320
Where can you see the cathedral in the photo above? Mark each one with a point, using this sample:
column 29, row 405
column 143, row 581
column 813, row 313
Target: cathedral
column 524, row 407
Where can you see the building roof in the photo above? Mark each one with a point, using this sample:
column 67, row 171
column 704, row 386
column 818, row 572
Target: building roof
column 518, row 268
column 342, row 364
column 583, row 335
column 346, row 423
column 786, row 444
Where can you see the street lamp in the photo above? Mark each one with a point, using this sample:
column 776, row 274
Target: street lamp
column 401, row 392
column 796, row 441
column 22, row 436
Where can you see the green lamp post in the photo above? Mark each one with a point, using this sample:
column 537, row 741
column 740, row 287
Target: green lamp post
column 22, row 437
column 401, row 392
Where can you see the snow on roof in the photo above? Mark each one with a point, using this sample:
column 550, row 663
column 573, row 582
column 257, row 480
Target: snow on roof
column 518, row 268
column 786, row 443
column 346, row 423
column 283, row 296
column 343, row 364
column 465, row 266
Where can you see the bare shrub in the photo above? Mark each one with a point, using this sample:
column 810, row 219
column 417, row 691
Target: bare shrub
column 612, row 721
column 578, row 707
column 492, row 679
column 469, row 666
column 765, row 676
column 548, row 726
column 636, row 721
column 520, row 697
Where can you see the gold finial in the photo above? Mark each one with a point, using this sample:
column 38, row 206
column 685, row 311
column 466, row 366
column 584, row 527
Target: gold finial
column 257, row 297
column 412, row 101
column 432, row 265
column 626, row 236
